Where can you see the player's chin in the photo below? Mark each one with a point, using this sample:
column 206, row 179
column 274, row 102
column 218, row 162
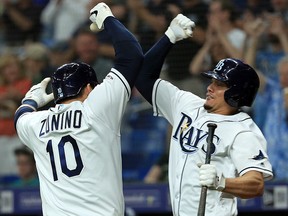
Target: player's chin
column 207, row 107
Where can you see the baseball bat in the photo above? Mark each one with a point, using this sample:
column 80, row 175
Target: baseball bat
column 202, row 202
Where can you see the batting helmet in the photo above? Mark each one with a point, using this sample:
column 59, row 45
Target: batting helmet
column 241, row 79
column 69, row 79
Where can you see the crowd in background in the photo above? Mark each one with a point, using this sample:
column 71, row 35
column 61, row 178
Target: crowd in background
column 37, row 36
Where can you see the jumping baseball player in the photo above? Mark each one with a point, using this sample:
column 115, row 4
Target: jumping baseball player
column 239, row 162
column 77, row 143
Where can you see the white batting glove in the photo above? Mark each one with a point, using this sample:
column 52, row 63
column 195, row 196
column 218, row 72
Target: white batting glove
column 181, row 27
column 97, row 15
column 38, row 94
column 208, row 177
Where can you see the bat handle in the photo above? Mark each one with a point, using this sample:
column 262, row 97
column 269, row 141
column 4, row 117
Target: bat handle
column 203, row 195
column 202, row 202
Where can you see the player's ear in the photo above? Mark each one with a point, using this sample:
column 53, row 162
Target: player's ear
column 88, row 88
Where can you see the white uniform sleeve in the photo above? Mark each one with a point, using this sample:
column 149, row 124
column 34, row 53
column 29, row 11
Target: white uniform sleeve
column 23, row 128
column 248, row 152
column 167, row 99
column 108, row 100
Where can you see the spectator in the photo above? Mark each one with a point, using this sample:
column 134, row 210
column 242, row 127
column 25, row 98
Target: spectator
column 13, row 87
column 275, row 128
column 21, row 22
column 60, row 53
column 26, row 168
column 221, row 21
column 269, row 44
column 36, row 62
column 87, row 50
column 280, row 7
column 61, row 18
column 159, row 171
column 271, row 32
column 148, row 21
column 223, row 38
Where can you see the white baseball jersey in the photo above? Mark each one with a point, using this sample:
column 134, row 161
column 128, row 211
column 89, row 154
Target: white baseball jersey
column 239, row 147
column 77, row 151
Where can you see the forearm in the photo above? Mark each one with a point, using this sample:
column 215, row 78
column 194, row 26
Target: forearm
column 284, row 42
column 21, row 21
column 153, row 175
column 198, row 60
column 151, row 67
column 157, row 23
column 28, row 106
column 250, row 53
column 138, row 8
column 247, row 186
column 250, row 56
column 128, row 52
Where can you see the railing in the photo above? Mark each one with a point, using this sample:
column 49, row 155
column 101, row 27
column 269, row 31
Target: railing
column 143, row 198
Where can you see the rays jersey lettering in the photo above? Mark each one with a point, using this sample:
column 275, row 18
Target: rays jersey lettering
column 65, row 120
column 190, row 137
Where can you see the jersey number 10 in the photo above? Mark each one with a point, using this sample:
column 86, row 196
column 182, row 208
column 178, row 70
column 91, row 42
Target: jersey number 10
column 68, row 172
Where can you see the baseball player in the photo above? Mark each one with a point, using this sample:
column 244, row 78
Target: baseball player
column 239, row 162
column 76, row 144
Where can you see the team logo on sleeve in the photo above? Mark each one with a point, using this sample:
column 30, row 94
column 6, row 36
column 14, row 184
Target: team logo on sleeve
column 109, row 77
column 191, row 138
column 260, row 156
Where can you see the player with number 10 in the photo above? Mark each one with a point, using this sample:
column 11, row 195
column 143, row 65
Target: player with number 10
column 77, row 143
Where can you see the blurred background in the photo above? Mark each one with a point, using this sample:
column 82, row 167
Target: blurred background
column 37, row 36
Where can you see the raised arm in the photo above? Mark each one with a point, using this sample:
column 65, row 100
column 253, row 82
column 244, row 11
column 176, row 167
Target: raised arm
column 179, row 29
column 128, row 52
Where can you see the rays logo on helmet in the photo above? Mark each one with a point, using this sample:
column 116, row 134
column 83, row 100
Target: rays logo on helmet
column 219, row 65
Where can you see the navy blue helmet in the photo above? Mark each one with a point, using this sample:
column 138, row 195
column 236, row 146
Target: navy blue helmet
column 69, row 79
column 241, row 79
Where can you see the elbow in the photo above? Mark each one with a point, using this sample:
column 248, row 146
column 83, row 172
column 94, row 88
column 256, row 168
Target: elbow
column 138, row 57
column 129, row 60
